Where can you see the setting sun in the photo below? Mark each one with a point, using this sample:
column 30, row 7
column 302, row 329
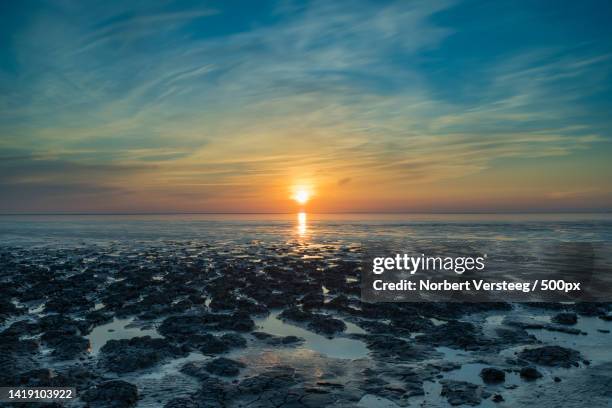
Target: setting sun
column 301, row 196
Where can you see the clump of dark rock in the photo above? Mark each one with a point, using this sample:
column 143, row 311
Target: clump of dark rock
column 234, row 340
column 41, row 377
column 273, row 340
column 112, row 394
column 65, row 341
column 137, row 353
column 195, row 369
column 57, row 323
column 410, row 384
column 313, row 300
column 568, row 318
column 319, row 323
column 515, row 335
column 69, row 302
column 492, row 375
column 181, row 327
column 552, row 356
column 591, row 308
column 213, row 394
column 375, row 327
column 497, row 398
column 70, row 347
column 22, row 328
column 413, row 324
column 224, row 367
column 538, row 325
column 98, row 317
column 461, row 392
column 326, row 325
column 295, row 314
column 530, row 373
column 339, row 303
column 16, row 356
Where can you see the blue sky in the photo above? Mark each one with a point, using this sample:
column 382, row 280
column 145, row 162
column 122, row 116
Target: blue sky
column 381, row 106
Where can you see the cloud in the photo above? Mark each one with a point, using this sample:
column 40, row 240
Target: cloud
column 344, row 181
column 158, row 99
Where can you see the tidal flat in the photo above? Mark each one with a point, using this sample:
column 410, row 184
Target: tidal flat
column 240, row 315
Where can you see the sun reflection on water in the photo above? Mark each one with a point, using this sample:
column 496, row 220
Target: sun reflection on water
column 301, row 224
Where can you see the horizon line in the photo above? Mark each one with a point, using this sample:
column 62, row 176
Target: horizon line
column 319, row 212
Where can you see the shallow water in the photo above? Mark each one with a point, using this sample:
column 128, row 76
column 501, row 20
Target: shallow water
column 118, row 329
column 275, row 240
column 337, row 347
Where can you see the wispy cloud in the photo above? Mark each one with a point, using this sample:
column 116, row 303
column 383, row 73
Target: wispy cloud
column 324, row 90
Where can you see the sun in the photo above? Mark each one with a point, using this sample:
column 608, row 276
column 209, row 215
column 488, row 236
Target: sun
column 301, row 196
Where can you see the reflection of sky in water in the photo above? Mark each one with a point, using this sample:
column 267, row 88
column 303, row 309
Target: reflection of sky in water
column 116, row 330
column 337, row 347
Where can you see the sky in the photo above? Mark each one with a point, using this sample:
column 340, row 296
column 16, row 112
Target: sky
column 369, row 106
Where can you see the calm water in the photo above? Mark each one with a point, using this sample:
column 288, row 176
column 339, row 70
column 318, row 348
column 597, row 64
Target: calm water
column 275, row 238
column 312, row 228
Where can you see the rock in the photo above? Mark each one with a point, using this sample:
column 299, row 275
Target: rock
column 195, row 369
column 515, row 335
column 461, row 392
column 590, row 308
column 8, row 308
column 273, row 340
column 557, row 379
column 71, row 347
column 340, row 303
column 313, row 300
column 319, row 323
column 69, row 303
column 497, row 398
column 111, row 394
column 224, row 366
column 208, row 344
column 182, row 327
column 16, row 356
column 539, row 325
column 552, row 356
column 133, row 354
column 22, row 328
column 212, row 394
column 565, row 318
column 191, row 332
column 295, row 314
column 530, row 373
column 326, row 325
column 233, row 340
column 492, row 375
column 42, row 377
